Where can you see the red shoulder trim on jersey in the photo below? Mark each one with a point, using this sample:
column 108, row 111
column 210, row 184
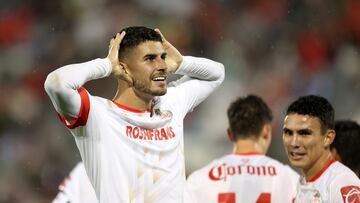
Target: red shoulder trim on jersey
column 83, row 114
column 321, row 171
column 248, row 153
column 128, row 108
column 350, row 193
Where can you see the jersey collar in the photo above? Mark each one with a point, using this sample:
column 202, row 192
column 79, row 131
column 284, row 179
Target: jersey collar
column 316, row 176
column 126, row 108
column 248, row 153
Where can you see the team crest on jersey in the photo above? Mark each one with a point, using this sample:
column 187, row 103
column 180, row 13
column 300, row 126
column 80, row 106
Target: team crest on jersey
column 350, row 194
column 163, row 114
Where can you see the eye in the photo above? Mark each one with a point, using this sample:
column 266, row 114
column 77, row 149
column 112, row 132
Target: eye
column 163, row 56
column 287, row 132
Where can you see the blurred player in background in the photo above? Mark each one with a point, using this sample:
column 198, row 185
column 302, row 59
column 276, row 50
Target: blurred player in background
column 308, row 131
column 76, row 188
column 346, row 145
column 132, row 146
column 246, row 175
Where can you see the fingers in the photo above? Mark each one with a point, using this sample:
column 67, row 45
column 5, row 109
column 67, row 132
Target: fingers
column 162, row 36
column 111, row 43
column 114, row 48
column 115, row 42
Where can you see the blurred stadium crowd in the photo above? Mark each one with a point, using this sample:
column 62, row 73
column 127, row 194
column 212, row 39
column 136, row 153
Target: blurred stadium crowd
column 277, row 49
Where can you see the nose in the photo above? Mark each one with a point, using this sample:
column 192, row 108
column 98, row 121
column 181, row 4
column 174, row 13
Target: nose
column 294, row 140
column 161, row 65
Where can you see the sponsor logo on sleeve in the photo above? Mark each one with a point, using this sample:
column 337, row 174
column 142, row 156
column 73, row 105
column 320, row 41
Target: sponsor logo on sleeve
column 350, row 194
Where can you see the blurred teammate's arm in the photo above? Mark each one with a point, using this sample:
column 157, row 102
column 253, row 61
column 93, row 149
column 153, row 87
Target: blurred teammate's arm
column 76, row 188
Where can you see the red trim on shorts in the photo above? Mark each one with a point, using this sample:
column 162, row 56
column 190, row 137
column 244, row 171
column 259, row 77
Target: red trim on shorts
column 248, row 153
column 83, row 114
column 126, row 108
column 321, row 171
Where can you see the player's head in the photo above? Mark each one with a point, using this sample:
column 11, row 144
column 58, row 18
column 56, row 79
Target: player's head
column 135, row 36
column 308, row 131
column 249, row 118
column 314, row 106
column 142, row 55
column 346, row 144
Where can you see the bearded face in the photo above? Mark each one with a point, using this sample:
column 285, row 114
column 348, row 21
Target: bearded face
column 147, row 68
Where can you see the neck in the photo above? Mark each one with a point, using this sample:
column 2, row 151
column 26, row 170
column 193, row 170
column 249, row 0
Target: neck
column 242, row 146
column 127, row 96
column 318, row 166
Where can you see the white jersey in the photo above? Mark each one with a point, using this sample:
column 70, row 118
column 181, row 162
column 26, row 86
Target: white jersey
column 237, row 178
column 335, row 183
column 76, row 188
column 130, row 155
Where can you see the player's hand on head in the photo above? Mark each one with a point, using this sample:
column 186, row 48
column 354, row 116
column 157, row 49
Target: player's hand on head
column 118, row 70
column 174, row 57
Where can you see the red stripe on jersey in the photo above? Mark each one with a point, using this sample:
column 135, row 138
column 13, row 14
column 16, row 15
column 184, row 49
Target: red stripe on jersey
column 128, row 108
column 321, row 171
column 83, row 114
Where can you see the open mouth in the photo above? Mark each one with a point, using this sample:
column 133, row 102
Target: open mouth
column 159, row 78
column 297, row 155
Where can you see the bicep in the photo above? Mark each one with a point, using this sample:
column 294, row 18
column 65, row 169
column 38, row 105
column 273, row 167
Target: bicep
column 191, row 92
column 65, row 99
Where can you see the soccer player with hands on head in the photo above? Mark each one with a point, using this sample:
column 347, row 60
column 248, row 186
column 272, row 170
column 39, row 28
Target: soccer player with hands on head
column 132, row 146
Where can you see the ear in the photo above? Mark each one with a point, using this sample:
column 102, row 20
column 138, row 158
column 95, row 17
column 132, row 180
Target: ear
column 329, row 137
column 126, row 76
column 124, row 67
column 230, row 135
column 266, row 131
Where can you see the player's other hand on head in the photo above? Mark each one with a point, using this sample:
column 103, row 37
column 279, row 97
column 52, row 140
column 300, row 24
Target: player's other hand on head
column 118, row 70
column 174, row 57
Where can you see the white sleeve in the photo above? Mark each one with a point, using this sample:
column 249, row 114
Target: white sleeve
column 62, row 85
column 345, row 188
column 201, row 77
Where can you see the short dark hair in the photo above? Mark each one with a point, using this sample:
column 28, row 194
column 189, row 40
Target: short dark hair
column 247, row 116
column 316, row 106
column 347, row 142
column 136, row 35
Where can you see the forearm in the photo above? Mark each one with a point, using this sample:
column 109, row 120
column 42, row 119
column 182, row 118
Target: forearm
column 201, row 68
column 201, row 77
column 61, row 85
